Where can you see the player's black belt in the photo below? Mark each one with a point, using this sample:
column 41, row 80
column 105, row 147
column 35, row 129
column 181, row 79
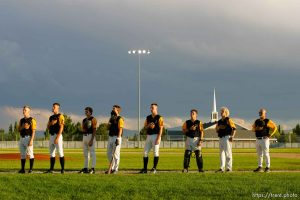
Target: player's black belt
column 259, row 138
column 223, row 136
column 86, row 134
column 153, row 134
column 53, row 134
column 24, row 136
column 192, row 136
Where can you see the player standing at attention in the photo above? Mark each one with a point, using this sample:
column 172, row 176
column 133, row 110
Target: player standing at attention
column 56, row 126
column 27, row 127
column 193, row 130
column 264, row 129
column 154, row 125
column 89, row 126
column 115, row 126
column 226, row 131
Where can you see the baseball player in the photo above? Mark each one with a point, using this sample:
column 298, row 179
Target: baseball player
column 89, row 126
column 27, row 127
column 264, row 129
column 115, row 126
column 193, row 130
column 56, row 127
column 154, row 126
column 226, row 131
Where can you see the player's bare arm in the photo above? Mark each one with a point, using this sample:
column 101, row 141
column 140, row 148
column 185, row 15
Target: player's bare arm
column 61, row 128
column 159, row 135
column 94, row 132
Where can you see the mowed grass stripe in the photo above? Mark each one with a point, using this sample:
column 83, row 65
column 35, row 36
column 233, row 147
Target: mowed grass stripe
column 159, row 186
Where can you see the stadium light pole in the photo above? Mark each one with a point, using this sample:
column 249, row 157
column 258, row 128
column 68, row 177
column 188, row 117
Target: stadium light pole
column 139, row 53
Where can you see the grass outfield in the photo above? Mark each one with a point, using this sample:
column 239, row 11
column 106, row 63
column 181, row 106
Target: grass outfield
column 240, row 184
column 236, row 185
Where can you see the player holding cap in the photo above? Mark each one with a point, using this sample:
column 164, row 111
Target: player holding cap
column 226, row 131
column 115, row 126
column 264, row 129
column 89, row 126
column 27, row 127
column 193, row 130
column 56, row 126
column 154, row 125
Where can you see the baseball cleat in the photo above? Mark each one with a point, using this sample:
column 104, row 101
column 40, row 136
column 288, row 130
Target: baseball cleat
column 48, row 171
column 143, row 171
column 220, row 171
column 30, row 171
column 113, row 172
column 62, row 171
column 92, row 171
column 267, row 169
column 185, row 171
column 201, row 170
column 259, row 169
column 84, row 170
column 153, row 171
column 21, row 171
column 228, row 170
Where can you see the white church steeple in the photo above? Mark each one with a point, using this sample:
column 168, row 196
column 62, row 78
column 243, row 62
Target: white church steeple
column 214, row 113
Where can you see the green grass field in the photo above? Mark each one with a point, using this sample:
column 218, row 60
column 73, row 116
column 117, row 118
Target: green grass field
column 240, row 184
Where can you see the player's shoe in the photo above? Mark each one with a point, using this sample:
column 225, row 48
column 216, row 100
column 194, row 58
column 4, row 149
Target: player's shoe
column 84, row 170
column 30, row 171
column 220, row 171
column 228, row 170
column 92, row 171
column 185, row 170
column 267, row 169
column 201, row 170
column 143, row 171
column 21, row 171
column 62, row 171
column 114, row 172
column 153, row 171
column 259, row 169
column 49, row 171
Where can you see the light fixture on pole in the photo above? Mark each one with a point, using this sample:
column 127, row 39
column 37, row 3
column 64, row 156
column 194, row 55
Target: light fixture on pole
column 139, row 52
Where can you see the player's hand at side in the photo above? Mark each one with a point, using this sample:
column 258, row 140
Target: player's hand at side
column 157, row 141
column 199, row 143
column 230, row 139
column 56, row 140
column 30, row 143
column 117, row 142
column 91, row 143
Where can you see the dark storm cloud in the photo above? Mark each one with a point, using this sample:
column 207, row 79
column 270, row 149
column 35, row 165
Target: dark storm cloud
column 75, row 52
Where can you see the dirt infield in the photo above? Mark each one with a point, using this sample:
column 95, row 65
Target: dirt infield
column 16, row 156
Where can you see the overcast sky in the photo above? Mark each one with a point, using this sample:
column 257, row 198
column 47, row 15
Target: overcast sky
column 75, row 52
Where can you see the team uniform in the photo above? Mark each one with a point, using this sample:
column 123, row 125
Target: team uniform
column 26, row 128
column 263, row 130
column 113, row 150
column 151, row 138
column 88, row 126
column 224, row 129
column 193, row 137
column 55, row 122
